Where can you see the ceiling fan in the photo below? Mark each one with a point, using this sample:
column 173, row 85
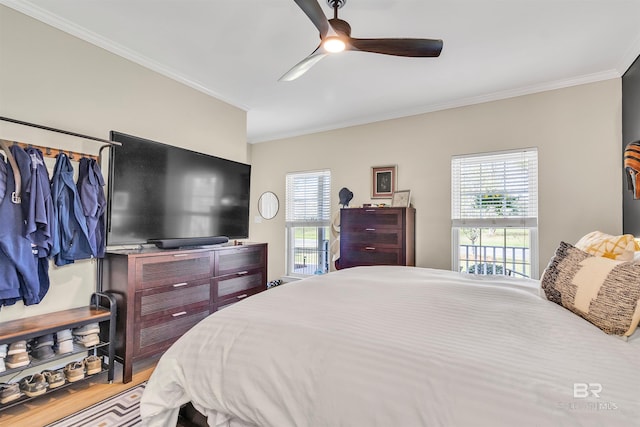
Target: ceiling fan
column 335, row 36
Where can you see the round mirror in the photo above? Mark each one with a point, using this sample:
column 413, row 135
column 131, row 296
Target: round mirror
column 268, row 205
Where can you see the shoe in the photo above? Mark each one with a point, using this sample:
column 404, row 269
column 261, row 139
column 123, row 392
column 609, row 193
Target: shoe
column 74, row 371
column 93, row 364
column 9, row 392
column 45, row 340
column 91, row 328
column 3, row 351
column 63, row 335
column 88, row 340
column 64, row 347
column 17, row 360
column 17, row 347
column 2, row 367
column 43, row 353
column 55, row 378
column 33, row 385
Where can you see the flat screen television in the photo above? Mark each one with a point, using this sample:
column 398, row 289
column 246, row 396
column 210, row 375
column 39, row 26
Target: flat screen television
column 158, row 191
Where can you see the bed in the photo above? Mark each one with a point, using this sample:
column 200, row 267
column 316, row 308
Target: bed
column 398, row 346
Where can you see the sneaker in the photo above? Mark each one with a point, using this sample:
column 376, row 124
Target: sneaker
column 9, row 392
column 3, row 351
column 93, row 364
column 2, row 367
column 17, row 347
column 17, row 360
column 63, row 335
column 55, row 378
column 88, row 340
column 74, row 371
column 91, row 328
column 43, row 353
column 33, row 385
column 45, row 340
column 64, row 347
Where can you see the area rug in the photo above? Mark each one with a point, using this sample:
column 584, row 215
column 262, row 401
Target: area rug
column 121, row 410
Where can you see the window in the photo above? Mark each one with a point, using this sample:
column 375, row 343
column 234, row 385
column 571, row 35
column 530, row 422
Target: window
column 494, row 213
column 308, row 217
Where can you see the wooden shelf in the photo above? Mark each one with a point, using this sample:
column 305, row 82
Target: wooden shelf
column 36, row 326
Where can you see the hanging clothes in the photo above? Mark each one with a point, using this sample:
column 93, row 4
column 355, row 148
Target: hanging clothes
column 37, row 208
column 41, row 212
column 94, row 203
column 19, row 275
column 71, row 238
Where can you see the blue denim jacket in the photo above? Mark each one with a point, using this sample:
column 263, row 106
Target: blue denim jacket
column 94, row 203
column 71, row 238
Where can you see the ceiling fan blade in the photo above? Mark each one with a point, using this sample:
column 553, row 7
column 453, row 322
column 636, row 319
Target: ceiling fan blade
column 313, row 10
column 303, row 66
column 398, row 47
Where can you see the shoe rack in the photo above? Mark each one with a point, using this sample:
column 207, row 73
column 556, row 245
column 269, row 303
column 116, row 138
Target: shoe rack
column 101, row 310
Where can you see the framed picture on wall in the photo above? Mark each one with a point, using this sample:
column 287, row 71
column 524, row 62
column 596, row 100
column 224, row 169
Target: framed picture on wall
column 401, row 198
column 383, row 181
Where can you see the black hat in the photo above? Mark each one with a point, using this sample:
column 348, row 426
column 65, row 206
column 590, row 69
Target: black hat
column 345, row 196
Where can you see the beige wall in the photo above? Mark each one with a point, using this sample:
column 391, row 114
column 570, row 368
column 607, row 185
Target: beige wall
column 52, row 78
column 577, row 131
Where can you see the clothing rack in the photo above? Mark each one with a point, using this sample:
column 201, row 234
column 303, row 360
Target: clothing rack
column 52, row 152
column 66, row 132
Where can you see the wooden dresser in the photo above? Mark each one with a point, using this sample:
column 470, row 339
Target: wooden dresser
column 161, row 294
column 377, row 236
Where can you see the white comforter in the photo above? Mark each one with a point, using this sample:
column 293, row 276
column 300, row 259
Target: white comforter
column 398, row 347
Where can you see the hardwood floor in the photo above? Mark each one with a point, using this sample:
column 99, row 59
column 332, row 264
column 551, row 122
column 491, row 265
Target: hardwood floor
column 58, row 404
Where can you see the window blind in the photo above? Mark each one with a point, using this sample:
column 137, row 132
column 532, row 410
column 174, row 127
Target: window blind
column 308, row 198
column 495, row 189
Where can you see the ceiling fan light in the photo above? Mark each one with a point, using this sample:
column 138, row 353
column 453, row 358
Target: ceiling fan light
column 333, row 44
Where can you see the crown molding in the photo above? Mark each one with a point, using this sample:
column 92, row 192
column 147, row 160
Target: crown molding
column 82, row 33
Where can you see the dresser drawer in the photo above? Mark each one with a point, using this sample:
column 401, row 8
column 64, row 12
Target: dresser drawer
column 168, row 300
column 158, row 334
column 236, row 284
column 373, row 218
column 173, row 269
column 375, row 238
column 226, row 302
column 354, row 255
column 239, row 259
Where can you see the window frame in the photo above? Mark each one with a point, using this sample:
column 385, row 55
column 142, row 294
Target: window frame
column 463, row 217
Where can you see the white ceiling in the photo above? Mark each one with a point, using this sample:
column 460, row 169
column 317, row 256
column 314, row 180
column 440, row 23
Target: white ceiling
column 236, row 50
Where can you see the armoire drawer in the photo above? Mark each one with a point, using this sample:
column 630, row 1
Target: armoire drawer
column 173, row 269
column 226, row 302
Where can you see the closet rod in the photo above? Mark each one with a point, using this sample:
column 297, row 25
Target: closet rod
column 52, row 152
column 66, row 132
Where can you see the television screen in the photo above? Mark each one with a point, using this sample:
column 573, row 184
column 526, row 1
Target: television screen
column 158, row 191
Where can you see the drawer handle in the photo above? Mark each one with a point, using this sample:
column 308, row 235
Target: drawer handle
column 370, row 248
column 369, row 229
column 181, row 313
column 178, row 285
column 242, row 273
column 242, row 296
column 180, row 255
column 370, row 210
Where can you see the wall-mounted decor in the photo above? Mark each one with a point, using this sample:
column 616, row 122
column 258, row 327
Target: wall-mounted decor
column 383, row 181
column 401, row 198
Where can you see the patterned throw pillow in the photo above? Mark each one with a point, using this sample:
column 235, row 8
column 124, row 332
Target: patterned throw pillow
column 608, row 246
column 603, row 291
